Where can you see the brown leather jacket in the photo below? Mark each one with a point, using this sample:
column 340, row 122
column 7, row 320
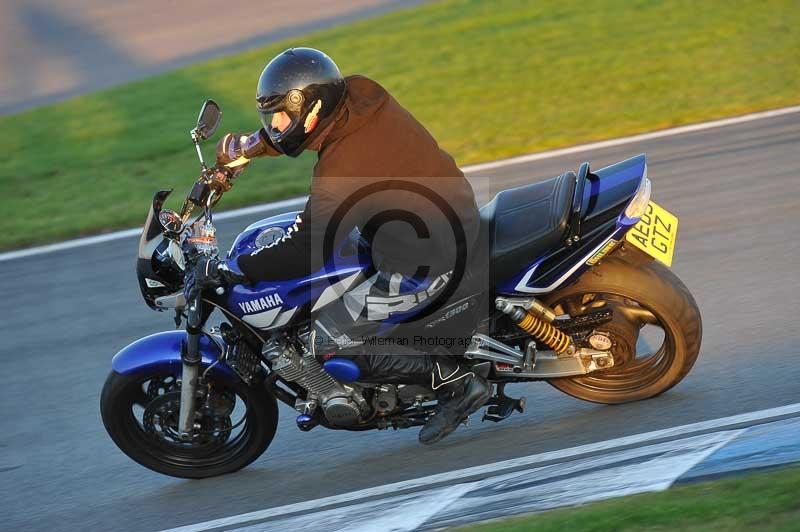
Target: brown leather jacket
column 381, row 171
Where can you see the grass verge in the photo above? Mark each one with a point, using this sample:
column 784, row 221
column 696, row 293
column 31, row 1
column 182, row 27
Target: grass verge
column 759, row 501
column 489, row 79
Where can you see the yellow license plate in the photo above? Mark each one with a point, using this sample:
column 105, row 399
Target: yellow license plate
column 655, row 233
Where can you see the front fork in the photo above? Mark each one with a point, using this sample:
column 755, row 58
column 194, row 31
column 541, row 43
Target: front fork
column 190, row 359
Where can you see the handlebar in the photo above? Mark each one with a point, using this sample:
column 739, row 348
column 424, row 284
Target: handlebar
column 207, row 190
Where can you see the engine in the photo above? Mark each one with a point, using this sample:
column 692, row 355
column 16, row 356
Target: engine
column 343, row 405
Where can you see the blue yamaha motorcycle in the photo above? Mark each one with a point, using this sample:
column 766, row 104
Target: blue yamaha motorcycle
column 578, row 293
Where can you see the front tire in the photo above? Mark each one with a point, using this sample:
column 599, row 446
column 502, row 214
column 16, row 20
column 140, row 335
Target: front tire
column 224, row 449
column 628, row 277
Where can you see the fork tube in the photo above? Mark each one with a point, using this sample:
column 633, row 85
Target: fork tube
column 190, row 357
column 188, row 388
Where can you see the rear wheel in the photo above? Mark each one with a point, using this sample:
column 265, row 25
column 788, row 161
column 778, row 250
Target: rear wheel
column 140, row 413
column 656, row 328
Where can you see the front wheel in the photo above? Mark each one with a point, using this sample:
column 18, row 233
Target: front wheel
column 656, row 328
column 235, row 424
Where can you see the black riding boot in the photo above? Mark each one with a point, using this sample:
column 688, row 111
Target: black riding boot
column 460, row 393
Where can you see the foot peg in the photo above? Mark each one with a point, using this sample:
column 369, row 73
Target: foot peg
column 501, row 406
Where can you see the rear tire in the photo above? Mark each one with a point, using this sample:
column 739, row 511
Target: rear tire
column 657, row 289
column 122, row 392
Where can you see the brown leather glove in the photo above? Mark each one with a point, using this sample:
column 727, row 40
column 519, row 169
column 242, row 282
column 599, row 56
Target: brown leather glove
column 230, row 154
column 234, row 150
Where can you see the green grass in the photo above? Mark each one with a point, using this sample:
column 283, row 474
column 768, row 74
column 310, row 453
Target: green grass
column 761, row 501
column 489, row 79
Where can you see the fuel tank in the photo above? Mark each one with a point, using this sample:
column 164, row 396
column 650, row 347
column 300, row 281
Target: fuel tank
column 269, row 305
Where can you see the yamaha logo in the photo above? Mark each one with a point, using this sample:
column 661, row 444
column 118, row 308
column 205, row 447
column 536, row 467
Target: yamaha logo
column 261, row 304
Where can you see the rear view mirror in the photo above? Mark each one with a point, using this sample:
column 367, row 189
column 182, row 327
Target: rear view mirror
column 209, row 119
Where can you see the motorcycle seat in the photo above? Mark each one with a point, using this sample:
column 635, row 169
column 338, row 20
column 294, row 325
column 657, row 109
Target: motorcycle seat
column 521, row 224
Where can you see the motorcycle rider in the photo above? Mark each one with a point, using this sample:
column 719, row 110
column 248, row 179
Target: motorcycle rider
column 369, row 148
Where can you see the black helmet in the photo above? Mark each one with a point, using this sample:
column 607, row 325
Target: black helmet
column 306, row 85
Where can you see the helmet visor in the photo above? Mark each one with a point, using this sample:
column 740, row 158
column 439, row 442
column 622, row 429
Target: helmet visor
column 276, row 123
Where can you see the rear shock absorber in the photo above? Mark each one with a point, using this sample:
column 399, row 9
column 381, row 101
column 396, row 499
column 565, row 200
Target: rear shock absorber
column 537, row 327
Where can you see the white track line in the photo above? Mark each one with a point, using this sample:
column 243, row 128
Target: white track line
column 461, row 474
column 126, row 233
column 634, row 138
column 652, row 467
column 297, row 202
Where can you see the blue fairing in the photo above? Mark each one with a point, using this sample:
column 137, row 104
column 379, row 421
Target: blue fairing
column 162, row 351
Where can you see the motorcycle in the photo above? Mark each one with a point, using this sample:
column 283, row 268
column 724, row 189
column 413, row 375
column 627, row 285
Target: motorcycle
column 580, row 296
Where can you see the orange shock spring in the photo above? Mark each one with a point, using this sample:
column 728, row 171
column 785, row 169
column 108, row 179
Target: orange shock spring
column 538, row 328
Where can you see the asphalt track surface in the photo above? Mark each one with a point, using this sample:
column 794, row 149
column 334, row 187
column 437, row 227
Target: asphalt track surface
column 735, row 189
column 51, row 50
